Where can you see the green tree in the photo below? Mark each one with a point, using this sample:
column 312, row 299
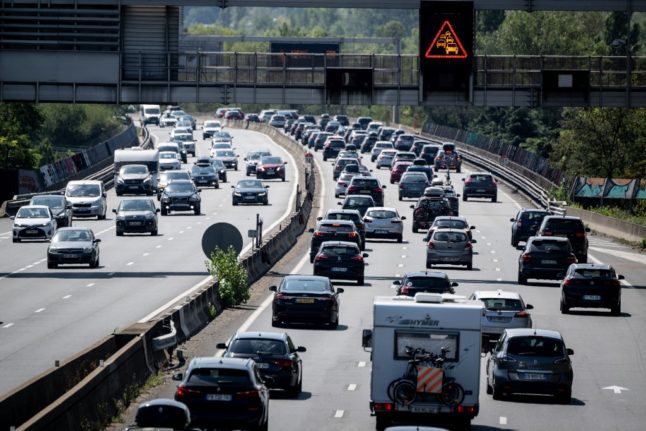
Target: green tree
column 231, row 275
column 16, row 152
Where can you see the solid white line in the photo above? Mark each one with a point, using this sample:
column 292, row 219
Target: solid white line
column 90, row 284
column 29, row 266
column 39, row 310
column 403, row 256
column 129, row 263
column 8, row 325
column 361, row 364
column 498, row 279
column 338, row 414
column 352, row 387
column 67, row 296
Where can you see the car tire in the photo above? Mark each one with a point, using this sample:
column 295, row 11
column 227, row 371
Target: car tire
column 458, row 170
column 324, row 158
column 276, row 324
column 95, row 263
column 283, row 179
column 335, row 323
column 616, row 310
column 415, row 229
column 197, row 211
column 565, row 397
column 497, row 392
column 514, row 242
column 429, row 264
column 400, row 197
column 234, row 203
column 15, row 240
column 564, row 307
column 295, row 391
column 118, row 193
column 494, row 198
column 154, row 232
column 265, row 203
column 119, row 233
column 101, row 217
column 164, row 211
column 489, row 388
column 464, row 198
column 360, row 281
column 52, row 265
column 400, row 238
column 469, row 266
column 521, row 278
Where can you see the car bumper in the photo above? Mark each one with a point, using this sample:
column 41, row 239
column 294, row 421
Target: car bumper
column 587, row 298
column 544, row 273
column 268, row 175
column 515, row 382
column 338, row 273
column 87, row 211
column 180, row 206
column 71, row 258
column 43, row 233
column 136, row 226
column 205, row 181
column 436, row 258
column 302, row 315
column 476, row 193
column 383, row 232
column 249, row 199
column 134, row 188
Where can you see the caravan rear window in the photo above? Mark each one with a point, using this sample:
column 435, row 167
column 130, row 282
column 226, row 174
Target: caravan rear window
column 432, row 342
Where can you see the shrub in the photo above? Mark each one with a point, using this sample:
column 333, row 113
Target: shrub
column 232, row 276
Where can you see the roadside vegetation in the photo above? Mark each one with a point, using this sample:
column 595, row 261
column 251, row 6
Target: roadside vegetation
column 232, row 276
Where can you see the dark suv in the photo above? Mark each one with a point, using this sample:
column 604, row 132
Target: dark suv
column 332, row 148
column 424, row 281
column 360, row 185
column 526, row 224
column 480, row 185
column 354, row 216
column 426, row 209
column 570, row 227
column 545, row 257
column 333, row 230
column 448, row 159
column 591, row 285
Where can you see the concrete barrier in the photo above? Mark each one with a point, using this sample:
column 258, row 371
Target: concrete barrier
column 609, row 225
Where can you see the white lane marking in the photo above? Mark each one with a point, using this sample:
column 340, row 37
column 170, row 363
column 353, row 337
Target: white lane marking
column 145, row 254
column 502, row 420
column 338, row 414
column 208, row 218
column 361, row 364
column 623, row 255
column 104, row 231
column 513, row 201
column 403, row 256
column 188, row 227
column 90, row 284
column 5, row 233
column 398, row 275
column 158, row 246
column 498, row 269
column 352, row 387
column 129, row 263
column 483, row 237
column 40, row 310
column 493, row 251
column 181, row 232
column 67, row 296
column 401, row 265
column 404, row 248
column 8, row 325
column 489, row 244
column 495, row 260
column 171, row 238
column 29, row 266
column 498, row 279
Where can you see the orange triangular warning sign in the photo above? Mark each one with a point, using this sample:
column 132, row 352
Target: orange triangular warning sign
column 446, row 44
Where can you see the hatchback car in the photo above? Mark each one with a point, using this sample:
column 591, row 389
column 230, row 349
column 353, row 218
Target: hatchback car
column 73, row 245
column 271, row 167
column 320, row 140
column 397, row 170
column 342, row 184
column 425, row 169
column 276, row 357
column 333, row 230
column 368, row 144
column 332, row 147
column 404, row 142
column 364, row 185
column 383, row 222
column 228, row 157
column 545, row 257
column 448, row 160
column 357, row 202
column 526, row 224
column 590, row 285
column 224, row 392
column 136, row 215
column 424, row 281
column 341, row 164
column 134, row 179
column 168, row 160
column 378, row 147
column 533, row 361
column 450, row 222
column 404, row 156
column 480, row 185
column 340, row 260
column 352, row 215
column 449, row 246
column 58, row 204
column 249, row 192
column 429, row 153
column 205, row 175
column 33, row 222
column 413, row 184
column 165, row 178
column 385, row 158
column 181, row 195
column 503, row 310
column 571, row 228
column 306, row 299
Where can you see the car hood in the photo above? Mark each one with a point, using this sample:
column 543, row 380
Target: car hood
column 229, row 158
column 72, row 244
column 179, row 194
column 250, row 189
column 271, row 165
column 83, row 199
column 125, row 214
column 134, row 176
column 32, row 221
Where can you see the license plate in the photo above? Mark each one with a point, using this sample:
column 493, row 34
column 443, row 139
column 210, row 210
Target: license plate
column 548, row 262
column 305, row 301
column 534, row 376
column 451, row 259
column 270, row 171
column 498, row 319
column 135, row 223
column 71, row 256
column 262, row 365
column 480, row 191
column 365, row 191
column 381, row 231
column 218, row 397
column 423, row 409
column 592, row 297
column 31, row 231
column 338, row 269
column 250, row 197
column 133, row 187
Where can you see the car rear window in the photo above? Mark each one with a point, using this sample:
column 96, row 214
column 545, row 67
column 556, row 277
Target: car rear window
column 454, row 224
column 344, row 216
column 337, row 227
column 220, row 376
column 565, row 225
column 596, row 273
column 364, row 182
column 305, row 285
column 481, row 178
column 422, row 178
column 535, row 346
column 257, row 346
column 427, row 282
column 550, row 245
column 449, row 236
column 533, row 216
column 502, row 304
column 381, row 214
column 340, row 251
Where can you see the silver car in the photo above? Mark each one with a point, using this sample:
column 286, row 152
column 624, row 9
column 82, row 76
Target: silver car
column 168, row 161
column 33, row 222
column 379, row 147
column 342, row 183
column 450, row 246
column 385, row 158
column 412, row 185
column 503, row 310
column 384, row 222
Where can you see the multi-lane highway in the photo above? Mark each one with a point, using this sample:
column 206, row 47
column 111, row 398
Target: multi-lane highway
column 51, row 314
column 609, row 361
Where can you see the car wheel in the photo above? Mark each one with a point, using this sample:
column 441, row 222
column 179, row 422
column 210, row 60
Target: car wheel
column 564, row 307
column 400, row 197
column 15, row 239
column 265, row 202
column 276, row 323
column 101, row 217
column 217, row 185
column 119, row 233
column 514, row 242
column 616, row 310
column 489, row 388
column 236, row 167
column 360, row 281
column 164, row 211
column 565, row 397
column 464, row 198
column 494, row 198
column 415, row 229
column 429, row 264
column 197, row 211
column 469, row 266
column 154, row 232
column 95, row 263
column 335, row 324
column 283, row 179
column 324, row 158
column 521, row 278
column 234, row 203
column 295, row 391
column 118, row 193
column 51, row 265
column 497, row 392
column 400, row 238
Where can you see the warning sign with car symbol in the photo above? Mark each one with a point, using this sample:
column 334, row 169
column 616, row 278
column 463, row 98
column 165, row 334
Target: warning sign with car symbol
column 446, row 44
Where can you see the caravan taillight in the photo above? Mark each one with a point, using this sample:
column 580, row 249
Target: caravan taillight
column 384, row 407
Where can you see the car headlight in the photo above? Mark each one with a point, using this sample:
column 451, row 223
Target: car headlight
column 147, row 180
column 278, row 168
column 119, row 180
column 195, row 197
column 87, row 249
column 17, row 225
column 236, row 194
column 52, row 250
column 150, row 216
column 262, row 193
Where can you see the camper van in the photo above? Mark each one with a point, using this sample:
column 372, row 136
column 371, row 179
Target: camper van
column 425, row 354
column 146, row 184
column 150, row 114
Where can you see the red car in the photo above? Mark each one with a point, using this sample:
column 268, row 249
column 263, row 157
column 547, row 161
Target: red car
column 397, row 170
column 271, row 167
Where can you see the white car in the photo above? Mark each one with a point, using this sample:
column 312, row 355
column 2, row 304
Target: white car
column 384, row 222
column 167, row 120
column 33, row 222
column 187, row 140
column 181, row 131
column 210, row 127
column 168, row 160
column 503, row 310
column 379, row 147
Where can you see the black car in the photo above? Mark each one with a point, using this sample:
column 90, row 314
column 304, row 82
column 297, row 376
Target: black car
column 429, row 153
column 305, row 299
column 590, row 285
column 545, row 257
column 364, row 121
column 73, row 245
column 58, row 204
column 426, row 209
column 570, row 227
column 333, row 230
column 220, row 168
column 480, row 185
column 340, row 260
column 426, row 169
column 530, row 360
column 370, row 186
column 136, row 215
column 134, row 179
column 332, row 148
column 205, row 175
column 424, row 281
column 526, row 224
column 162, row 413
column 250, row 192
column 368, row 143
column 320, row 140
column 354, row 216
column 224, row 392
column 277, row 358
column 181, row 195
column 453, row 198
column 358, row 202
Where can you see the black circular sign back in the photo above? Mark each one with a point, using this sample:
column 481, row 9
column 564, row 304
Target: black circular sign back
column 223, row 236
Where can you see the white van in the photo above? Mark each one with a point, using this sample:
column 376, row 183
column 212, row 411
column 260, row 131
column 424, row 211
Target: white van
column 147, row 183
column 88, row 198
column 425, row 327
column 150, row 114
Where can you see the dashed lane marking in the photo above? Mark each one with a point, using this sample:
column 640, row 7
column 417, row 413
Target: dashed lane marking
column 67, row 297
column 171, row 238
column 145, row 254
column 8, row 325
column 158, row 246
column 361, row 364
column 352, row 387
column 502, row 420
column 129, row 263
column 338, row 414
column 181, row 232
column 90, row 284
column 40, row 310
column 497, row 269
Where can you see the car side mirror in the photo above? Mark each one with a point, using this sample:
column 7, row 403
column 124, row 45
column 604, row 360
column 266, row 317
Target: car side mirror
column 520, row 247
column 199, row 190
column 383, row 187
column 301, row 349
column 529, row 306
column 403, row 217
column 454, row 284
column 12, row 217
column 621, row 277
column 311, row 230
column 587, row 229
column 96, row 240
column 366, row 339
column 114, row 210
column 221, row 346
column 569, row 351
column 412, row 206
column 473, row 241
column 365, row 255
column 178, row 377
column 273, row 288
column 462, row 179
column 157, row 210
column 472, row 227
column 339, row 290
column 512, row 219
column 233, row 187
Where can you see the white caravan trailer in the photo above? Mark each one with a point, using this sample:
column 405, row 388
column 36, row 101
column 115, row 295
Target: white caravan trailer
column 432, row 323
column 137, row 156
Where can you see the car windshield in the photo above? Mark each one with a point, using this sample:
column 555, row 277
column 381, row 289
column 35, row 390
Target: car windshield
column 152, row 111
column 246, row 184
column 211, row 124
column 134, row 169
column 422, row 178
column 83, row 190
column 136, row 205
column 225, row 153
column 50, row 201
column 218, row 164
column 533, row 216
column 535, row 346
column 259, row 346
column 183, row 138
column 305, row 285
column 381, row 214
column 168, row 155
column 454, row 224
column 449, row 236
column 219, row 377
column 72, row 235
column 27, row 212
column 202, row 169
column 180, row 187
column 271, row 160
column 174, row 175
column 501, row 304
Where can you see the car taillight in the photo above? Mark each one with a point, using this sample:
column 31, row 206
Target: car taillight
column 493, row 184
column 526, row 257
column 341, row 183
column 571, row 259
column 318, row 233
column 360, row 226
column 547, row 233
column 430, row 245
column 383, row 407
column 320, row 257
column 571, row 282
column 468, row 410
column 519, row 223
column 468, row 246
column 183, row 391
column 522, row 314
column 580, row 234
column 352, row 189
column 437, row 158
column 506, row 360
column 396, row 221
column 467, row 182
column 561, row 361
column 283, row 363
column 352, row 235
column 377, row 190
column 403, row 290
column 357, row 258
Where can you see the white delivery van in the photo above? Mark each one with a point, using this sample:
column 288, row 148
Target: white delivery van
column 133, row 183
column 408, row 384
column 88, row 198
column 150, row 114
